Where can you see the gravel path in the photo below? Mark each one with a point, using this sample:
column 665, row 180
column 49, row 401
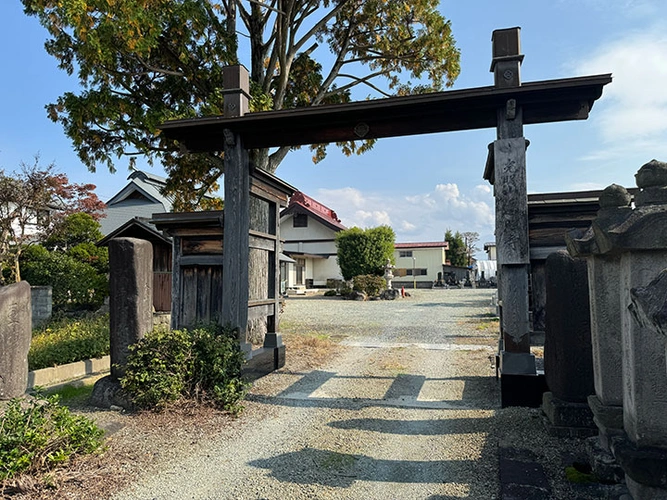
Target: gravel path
column 405, row 411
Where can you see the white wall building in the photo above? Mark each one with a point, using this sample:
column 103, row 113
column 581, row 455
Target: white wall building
column 308, row 230
column 418, row 264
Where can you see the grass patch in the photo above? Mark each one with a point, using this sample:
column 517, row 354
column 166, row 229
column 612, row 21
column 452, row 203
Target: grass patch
column 70, row 393
column 66, row 340
column 312, row 348
column 337, row 461
column 574, row 475
column 488, row 324
column 393, row 366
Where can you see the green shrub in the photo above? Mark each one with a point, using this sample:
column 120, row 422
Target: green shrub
column 217, row 367
column 330, row 293
column 38, row 435
column 158, row 368
column 371, row 285
column 202, row 364
column 65, row 340
column 76, row 284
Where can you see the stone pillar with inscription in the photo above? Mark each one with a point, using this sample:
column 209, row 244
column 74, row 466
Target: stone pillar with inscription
column 130, row 312
column 517, row 364
column 605, row 296
column 641, row 241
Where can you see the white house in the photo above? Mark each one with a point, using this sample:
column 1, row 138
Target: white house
column 141, row 197
column 419, row 265
column 308, row 230
column 490, row 249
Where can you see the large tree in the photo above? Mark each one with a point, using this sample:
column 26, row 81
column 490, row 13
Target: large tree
column 141, row 62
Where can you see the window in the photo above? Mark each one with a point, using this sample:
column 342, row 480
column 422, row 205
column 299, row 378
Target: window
column 418, row 272
column 405, row 253
column 300, row 220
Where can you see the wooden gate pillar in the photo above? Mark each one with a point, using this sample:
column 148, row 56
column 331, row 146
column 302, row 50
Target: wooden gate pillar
column 236, row 248
column 510, row 191
column 235, row 237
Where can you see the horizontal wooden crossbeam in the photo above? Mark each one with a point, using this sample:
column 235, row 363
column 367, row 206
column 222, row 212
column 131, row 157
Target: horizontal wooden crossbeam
column 476, row 108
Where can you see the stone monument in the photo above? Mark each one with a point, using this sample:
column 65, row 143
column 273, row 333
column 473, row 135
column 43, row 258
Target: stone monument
column 130, row 311
column 568, row 362
column 15, row 336
column 641, row 241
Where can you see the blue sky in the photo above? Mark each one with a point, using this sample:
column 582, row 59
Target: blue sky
column 426, row 184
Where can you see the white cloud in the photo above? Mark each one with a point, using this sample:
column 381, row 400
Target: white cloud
column 418, row 217
column 632, row 112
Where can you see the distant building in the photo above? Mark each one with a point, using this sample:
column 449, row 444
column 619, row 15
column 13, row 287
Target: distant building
column 490, row 249
column 308, row 229
column 141, row 197
column 419, row 264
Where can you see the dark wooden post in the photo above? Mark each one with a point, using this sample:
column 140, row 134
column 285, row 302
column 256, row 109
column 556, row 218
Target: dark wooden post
column 509, row 153
column 237, row 209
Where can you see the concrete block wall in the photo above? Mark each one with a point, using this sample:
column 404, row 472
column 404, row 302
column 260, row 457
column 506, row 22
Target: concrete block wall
column 41, row 303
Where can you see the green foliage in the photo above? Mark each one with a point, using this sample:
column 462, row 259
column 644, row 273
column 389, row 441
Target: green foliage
column 370, row 284
column 73, row 230
column 66, row 340
column 364, row 251
column 203, row 363
column 76, row 284
column 39, row 434
column 217, row 361
column 158, row 368
column 33, row 203
column 576, row 476
column 330, row 293
column 457, row 248
column 142, row 62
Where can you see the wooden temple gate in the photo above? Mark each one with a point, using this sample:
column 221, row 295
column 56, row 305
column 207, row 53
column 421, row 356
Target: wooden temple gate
column 508, row 105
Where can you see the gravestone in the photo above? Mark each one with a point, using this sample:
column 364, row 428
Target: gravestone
column 604, row 293
column 568, row 362
column 15, row 336
column 642, row 242
column 130, row 311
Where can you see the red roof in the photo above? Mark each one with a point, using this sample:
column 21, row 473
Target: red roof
column 324, row 213
column 427, row 244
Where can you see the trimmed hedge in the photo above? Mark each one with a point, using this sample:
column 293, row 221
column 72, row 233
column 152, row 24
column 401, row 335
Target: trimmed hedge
column 370, row 284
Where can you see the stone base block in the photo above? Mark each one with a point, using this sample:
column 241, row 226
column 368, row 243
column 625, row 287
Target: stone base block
column 522, row 390
column 602, row 462
column 645, row 468
column 263, row 362
column 609, row 420
column 567, row 419
column 642, row 492
column 107, row 392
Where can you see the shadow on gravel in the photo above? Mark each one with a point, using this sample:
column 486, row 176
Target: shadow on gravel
column 480, row 393
column 342, row 470
column 429, row 427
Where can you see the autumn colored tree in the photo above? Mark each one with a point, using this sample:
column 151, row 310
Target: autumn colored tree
column 142, row 62
column 34, row 202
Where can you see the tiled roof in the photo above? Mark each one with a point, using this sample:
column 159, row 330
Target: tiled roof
column 426, row 244
column 300, row 203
